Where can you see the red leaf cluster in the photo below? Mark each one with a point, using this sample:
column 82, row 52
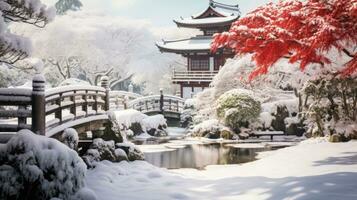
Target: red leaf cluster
column 301, row 31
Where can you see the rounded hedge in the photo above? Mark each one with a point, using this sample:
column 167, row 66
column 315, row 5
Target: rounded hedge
column 236, row 108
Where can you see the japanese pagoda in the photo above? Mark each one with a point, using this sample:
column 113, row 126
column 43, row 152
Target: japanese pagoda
column 202, row 64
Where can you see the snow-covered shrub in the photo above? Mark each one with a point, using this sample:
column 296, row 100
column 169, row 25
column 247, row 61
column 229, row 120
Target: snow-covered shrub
column 212, row 129
column 133, row 152
column 37, row 167
column 237, row 108
column 280, row 114
column 209, row 128
column 70, row 138
column 103, row 150
column 126, row 118
column 137, row 123
column 330, row 106
column 155, row 125
column 189, row 111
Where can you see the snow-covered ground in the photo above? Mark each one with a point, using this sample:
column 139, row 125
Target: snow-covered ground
column 310, row 170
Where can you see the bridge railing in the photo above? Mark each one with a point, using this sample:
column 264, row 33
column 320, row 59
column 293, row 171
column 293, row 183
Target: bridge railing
column 157, row 103
column 15, row 109
column 119, row 99
column 51, row 111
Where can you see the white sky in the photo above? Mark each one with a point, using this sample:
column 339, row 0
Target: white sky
column 159, row 12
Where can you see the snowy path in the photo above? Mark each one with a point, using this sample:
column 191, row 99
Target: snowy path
column 307, row 171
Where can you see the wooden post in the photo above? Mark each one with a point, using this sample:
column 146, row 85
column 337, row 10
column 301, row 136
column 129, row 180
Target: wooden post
column 73, row 109
column 85, row 105
column 170, row 102
column 21, row 121
column 104, row 83
column 38, row 105
column 58, row 113
column 95, row 105
column 161, row 102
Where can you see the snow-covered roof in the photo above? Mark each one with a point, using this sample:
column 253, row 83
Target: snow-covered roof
column 216, row 14
column 221, row 12
column 209, row 21
column 200, row 43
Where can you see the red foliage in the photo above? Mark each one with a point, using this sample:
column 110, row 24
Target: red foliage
column 299, row 31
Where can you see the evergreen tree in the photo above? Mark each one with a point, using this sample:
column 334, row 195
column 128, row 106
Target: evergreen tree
column 62, row 6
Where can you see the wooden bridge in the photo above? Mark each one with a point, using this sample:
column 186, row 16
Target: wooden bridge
column 50, row 112
column 167, row 105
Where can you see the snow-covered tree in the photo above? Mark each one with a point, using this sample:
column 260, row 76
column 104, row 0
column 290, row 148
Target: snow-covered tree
column 317, row 36
column 300, row 31
column 14, row 47
column 87, row 46
column 62, row 6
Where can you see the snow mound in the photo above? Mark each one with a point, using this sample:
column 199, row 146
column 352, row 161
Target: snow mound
column 125, row 118
column 37, row 167
column 155, row 121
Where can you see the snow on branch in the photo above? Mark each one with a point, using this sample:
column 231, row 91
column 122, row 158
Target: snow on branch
column 14, row 47
column 27, row 11
column 303, row 32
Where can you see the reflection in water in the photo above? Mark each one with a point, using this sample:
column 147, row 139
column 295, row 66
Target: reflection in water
column 200, row 155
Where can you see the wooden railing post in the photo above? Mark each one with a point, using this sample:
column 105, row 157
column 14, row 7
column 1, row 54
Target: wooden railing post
column 58, row 113
column 95, row 105
column 73, row 109
column 161, row 101
column 38, row 105
column 105, row 84
column 85, row 105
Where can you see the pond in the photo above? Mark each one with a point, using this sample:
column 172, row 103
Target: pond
column 175, row 152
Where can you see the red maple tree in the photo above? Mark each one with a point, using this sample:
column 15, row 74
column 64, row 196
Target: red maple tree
column 301, row 31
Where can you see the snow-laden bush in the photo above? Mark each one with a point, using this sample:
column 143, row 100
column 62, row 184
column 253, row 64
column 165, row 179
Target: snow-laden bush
column 70, row 138
column 280, row 115
column 330, row 106
column 126, row 118
column 103, row 150
column 132, row 151
column 37, row 167
column 155, row 125
column 107, row 150
column 188, row 113
column 209, row 128
column 237, row 108
column 137, row 123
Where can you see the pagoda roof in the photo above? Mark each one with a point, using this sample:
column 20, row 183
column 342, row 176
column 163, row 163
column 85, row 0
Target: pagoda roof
column 206, row 22
column 194, row 44
column 217, row 14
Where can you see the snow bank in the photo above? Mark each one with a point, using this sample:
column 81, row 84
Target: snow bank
column 319, row 171
column 37, row 167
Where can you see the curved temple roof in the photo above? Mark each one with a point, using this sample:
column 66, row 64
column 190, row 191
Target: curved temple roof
column 206, row 22
column 198, row 44
column 211, row 17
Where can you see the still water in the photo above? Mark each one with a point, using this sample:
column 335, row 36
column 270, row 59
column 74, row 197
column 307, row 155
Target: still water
column 174, row 152
column 200, row 155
